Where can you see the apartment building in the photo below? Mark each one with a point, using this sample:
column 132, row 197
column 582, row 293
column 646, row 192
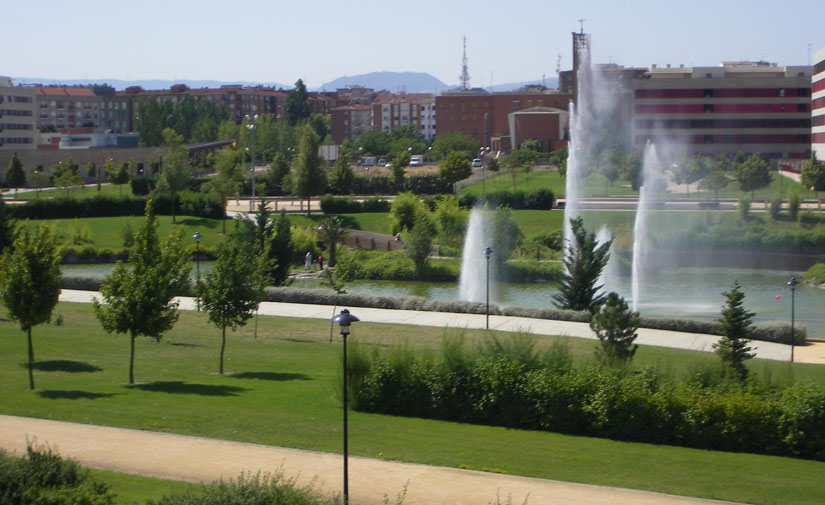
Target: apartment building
column 818, row 105
column 18, row 124
column 752, row 107
column 417, row 109
column 349, row 122
column 67, row 107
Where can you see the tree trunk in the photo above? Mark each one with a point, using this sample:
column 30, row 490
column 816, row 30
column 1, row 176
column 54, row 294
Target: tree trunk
column 131, row 359
column 223, row 346
column 331, row 260
column 309, row 201
column 172, row 202
column 31, row 359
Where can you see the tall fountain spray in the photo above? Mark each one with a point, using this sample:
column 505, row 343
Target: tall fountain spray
column 609, row 278
column 578, row 148
column 641, row 242
column 473, row 278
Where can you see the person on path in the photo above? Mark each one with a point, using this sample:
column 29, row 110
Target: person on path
column 308, row 261
column 321, row 261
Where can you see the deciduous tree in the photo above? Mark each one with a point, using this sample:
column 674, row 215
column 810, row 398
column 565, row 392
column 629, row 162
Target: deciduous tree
column 30, row 282
column 420, row 241
column 813, row 175
column 296, row 106
column 308, row 176
column 227, row 179
column 333, row 231
column 7, row 227
column 454, row 167
column 233, row 289
column 753, row 174
column 138, row 295
column 175, row 175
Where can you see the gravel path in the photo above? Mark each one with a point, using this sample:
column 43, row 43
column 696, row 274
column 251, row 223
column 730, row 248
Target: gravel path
column 195, row 459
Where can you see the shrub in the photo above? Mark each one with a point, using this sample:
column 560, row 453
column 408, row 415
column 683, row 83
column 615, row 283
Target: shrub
column 142, row 186
column 539, row 199
column 816, row 274
column 343, row 205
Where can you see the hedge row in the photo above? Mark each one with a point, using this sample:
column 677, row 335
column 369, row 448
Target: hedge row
column 142, row 186
column 344, row 205
column 597, row 401
column 429, row 184
column 186, row 203
column 538, row 199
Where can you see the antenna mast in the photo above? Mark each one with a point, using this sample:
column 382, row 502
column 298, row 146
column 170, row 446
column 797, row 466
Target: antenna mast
column 464, row 80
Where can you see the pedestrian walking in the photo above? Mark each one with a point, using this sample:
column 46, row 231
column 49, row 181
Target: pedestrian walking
column 321, row 261
column 308, row 261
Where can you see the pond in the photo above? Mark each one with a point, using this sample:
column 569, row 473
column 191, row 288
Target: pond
column 694, row 293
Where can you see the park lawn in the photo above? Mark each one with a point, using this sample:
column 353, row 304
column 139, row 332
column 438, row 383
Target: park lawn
column 282, row 389
column 109, row 190
column 107, row 232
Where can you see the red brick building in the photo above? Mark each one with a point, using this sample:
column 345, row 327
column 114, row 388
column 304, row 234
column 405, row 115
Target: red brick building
column 484, row 115
column 349, row 122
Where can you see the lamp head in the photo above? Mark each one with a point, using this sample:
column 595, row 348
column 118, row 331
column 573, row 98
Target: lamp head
column 793, row 282
column 344, row 320
column 197, row 237
column 487, row 252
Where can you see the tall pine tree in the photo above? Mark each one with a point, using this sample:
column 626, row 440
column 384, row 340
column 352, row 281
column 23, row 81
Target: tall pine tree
column 584, row 260
column 735, row 326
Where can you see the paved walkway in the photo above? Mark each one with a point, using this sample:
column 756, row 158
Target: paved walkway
column 813, row 353
column 195, row 459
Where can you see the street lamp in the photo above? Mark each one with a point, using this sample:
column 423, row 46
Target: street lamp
column 430, row 153
column 251, row 127
column 197, row 237
column 487, row 253
column 344, row 319
column 792, row 283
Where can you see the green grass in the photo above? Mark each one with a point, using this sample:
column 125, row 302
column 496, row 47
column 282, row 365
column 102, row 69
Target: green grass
column 596, row 185
column 282, row 389
column 106, row 232
column 81, row 193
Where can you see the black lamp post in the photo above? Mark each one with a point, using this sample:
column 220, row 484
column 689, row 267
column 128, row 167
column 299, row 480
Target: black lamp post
column 344, row 319
column 487, row 253
column 251, row 118
column 197, row 237
column 792, row 283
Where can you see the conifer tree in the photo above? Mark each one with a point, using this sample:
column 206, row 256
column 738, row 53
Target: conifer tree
column 584, row 260
column 615, row 325
column 15, row 176
column 735, row 326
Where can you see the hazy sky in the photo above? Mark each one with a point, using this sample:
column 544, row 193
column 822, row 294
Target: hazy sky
column 280, row 41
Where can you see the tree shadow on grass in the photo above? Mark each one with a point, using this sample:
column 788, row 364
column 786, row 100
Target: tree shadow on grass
column 193, row 221
column 272, row 376
column 64, row 365
column 180, row 387
column 74, row 394
column 184, row 344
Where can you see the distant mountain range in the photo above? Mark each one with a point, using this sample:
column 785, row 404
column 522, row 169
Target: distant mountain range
column 394, row 82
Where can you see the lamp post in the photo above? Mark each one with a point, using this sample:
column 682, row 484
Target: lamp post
column 487, row 253
column 792, row 283
column 430, row 154
column 344, row 320
column 197, row 237
column 251, row 127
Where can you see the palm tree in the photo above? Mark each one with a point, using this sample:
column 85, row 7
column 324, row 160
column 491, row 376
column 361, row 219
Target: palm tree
column 332, row 232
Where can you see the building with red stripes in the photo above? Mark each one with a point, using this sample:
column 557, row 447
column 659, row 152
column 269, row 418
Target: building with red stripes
column 752, row 107
column 818, row 105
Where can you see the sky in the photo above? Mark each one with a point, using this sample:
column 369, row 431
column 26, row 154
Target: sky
column 278, row 41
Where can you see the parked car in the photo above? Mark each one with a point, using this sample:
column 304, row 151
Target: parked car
column 388, row 165
column 381, row 162
column 416, row 160
column 476, row 162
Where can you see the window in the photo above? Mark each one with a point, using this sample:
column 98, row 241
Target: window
column 708, row 93
column 781, row 92
column 516, row 105
column 802, row 107
column 708, row 107
column 708, row 75
column 708, row 139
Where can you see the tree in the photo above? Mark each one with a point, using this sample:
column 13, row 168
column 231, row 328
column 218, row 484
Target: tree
column 492, row 164
column 227, row 178
column 445, row 143
column 404, row 209
column 374, row 142
column 281, row 251
column 752, row 174
column 38, row 180
column 30, row 282
column 630, row 169
column 690, row 170
column 15, row 176
column 420, row 242
column 399, row 167
column 715, row 181
column 813, row 175
column 341, row 176
column 584, row 260
column 506, row 235
column 615, row 325
column 454, row 167
column 277, row 176
column 120, row 176
column 308, row 177
column 138, row 295
column 66, row 175
column 7, row 227
column 735, row 326
column 175, row 175
column 233, row 289
column 296, row 107
column 450, row 221
column 333, row 232
column 320, row 124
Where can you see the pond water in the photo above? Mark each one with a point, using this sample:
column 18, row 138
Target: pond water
column 694, row 293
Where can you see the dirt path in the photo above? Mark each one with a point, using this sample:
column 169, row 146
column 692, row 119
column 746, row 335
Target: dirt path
column 194, row 459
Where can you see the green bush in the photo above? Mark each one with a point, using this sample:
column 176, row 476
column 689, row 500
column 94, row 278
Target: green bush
column 539, row 199
column 258, row 490
column 43, row 477
column 188, row 203
column 344, row 205
column 816, row 274
column 508, row 385
column 142, row 186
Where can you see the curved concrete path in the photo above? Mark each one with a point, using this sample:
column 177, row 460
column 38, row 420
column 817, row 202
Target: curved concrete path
column 812, row 353
column 197, row 460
